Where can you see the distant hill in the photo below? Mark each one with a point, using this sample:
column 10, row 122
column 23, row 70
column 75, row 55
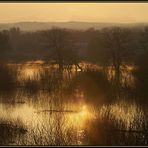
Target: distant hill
column 34, row 26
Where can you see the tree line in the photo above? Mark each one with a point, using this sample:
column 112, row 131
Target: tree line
column 114, row 46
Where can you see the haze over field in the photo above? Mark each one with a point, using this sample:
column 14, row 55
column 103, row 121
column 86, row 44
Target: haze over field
column 34, row 26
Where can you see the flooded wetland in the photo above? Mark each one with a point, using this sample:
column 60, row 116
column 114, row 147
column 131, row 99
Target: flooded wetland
column 73, row 74
column 45, row 107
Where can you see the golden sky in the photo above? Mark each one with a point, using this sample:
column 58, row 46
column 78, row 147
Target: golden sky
column 93, row 12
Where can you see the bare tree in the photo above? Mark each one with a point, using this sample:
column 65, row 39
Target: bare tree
column 4, row 45
column 64, row 50
column 57, row 41
column 116, row 46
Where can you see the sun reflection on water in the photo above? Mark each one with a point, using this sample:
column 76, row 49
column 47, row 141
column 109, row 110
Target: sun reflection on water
column 80, row 118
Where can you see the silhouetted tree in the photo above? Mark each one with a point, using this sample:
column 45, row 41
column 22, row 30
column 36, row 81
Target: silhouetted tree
column 115, row 43
column 63, row 48
column 4, row 45
column 57, row 41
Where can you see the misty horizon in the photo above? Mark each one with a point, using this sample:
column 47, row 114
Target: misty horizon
column 76, row 25
column 74, row 21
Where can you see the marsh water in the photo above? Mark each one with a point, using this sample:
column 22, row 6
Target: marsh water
column 74, row 107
